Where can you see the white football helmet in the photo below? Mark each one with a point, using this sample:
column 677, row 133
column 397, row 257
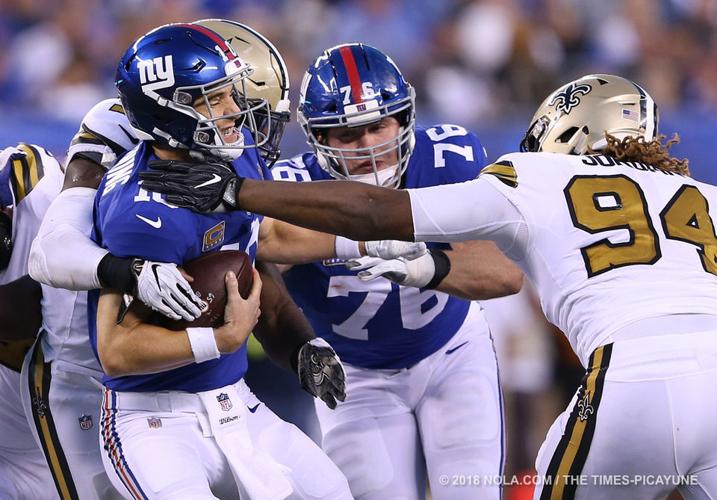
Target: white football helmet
column 577, row 116
column 268, row 83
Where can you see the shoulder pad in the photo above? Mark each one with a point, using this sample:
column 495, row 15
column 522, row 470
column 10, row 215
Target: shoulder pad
column 24, row 166
column 504, row 171
column 105, row 134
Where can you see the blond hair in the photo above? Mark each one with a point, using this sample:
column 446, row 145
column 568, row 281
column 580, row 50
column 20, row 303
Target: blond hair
column 654, row 152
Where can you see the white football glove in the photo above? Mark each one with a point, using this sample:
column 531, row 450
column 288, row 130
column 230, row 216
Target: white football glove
column 417, row 272
column 392, row 249
column 162, row 287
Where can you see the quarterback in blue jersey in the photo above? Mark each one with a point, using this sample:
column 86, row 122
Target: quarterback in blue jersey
column 423, row 394
column 177, row 418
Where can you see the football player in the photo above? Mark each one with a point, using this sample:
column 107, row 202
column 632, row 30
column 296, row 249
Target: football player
column 402, row 346
column 30, row 178
column 60, row 375
column 620, row 244
column 63, row 256
column 183, row 90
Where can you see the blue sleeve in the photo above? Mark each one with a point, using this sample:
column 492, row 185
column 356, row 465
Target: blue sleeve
column 6, row 198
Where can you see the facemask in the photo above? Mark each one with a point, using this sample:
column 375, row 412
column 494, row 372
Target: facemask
column 384, row 176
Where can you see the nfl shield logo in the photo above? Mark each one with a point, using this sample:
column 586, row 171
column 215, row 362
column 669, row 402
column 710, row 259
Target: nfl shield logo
column 154, row 423
column 224, row 401
column 85, row 422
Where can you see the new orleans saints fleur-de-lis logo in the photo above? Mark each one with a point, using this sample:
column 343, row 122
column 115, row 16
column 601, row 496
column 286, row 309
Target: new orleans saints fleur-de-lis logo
column 569, row 97
column 585, row 409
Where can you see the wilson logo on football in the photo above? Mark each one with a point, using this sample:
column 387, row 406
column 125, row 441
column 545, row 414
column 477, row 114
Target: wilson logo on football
column 155, row 74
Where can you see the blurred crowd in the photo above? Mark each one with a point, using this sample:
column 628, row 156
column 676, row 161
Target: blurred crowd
column 471, row 60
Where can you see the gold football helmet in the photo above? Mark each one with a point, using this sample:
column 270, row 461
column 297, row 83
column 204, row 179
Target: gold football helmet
column 576, row 117
column 269, row 81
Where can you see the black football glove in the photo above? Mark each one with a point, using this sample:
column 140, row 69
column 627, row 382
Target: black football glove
column 201, row 187
column 321, row 372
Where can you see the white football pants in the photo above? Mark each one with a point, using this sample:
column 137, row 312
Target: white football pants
column 441, row 417
column 64, row 410
column 23, row 470
column 162, row 446
column 641, row 424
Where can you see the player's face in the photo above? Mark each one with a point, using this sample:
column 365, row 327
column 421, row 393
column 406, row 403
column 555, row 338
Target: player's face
column 383, row 132
column 221, row 102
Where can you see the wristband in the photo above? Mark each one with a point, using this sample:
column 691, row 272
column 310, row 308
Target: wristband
column 346, row 249
column 294, row 358
column 117, row 273
column 203, row 344
column 443, row 267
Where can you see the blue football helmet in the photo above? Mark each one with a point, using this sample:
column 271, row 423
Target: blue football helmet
column 353, row 85
column 172, row 69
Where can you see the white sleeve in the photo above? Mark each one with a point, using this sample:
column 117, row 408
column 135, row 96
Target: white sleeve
column 473, row 210
column 63, row 255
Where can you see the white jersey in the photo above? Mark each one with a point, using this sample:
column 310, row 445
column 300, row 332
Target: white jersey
column 606, row 244
column 36, row 180
column 104, row 136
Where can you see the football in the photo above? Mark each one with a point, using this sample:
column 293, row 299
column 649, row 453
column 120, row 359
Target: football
column 208, row 272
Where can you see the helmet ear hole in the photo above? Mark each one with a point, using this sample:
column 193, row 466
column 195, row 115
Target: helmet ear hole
column 565, row 137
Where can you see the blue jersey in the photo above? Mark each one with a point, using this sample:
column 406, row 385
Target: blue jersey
column 132, row 222
column 379, row 324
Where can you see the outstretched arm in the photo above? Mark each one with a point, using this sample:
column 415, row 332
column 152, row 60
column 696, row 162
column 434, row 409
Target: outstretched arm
column 479, row 271
column 351, row 209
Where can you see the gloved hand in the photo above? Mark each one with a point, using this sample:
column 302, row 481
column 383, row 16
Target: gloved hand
column 425, row 271
column 392, row 249
column 201, row 187
column 321, row 372
column 162, row 287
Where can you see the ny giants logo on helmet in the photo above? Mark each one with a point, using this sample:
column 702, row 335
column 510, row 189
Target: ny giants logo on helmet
column 155, row 74
column 569, row 97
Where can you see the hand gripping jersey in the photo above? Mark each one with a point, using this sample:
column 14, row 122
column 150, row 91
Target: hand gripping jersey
column 130, row 221
column 379, row 324
column 606, row 243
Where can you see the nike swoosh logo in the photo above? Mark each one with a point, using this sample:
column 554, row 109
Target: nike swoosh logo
column 451, row 351
column 154, row 223
column 215, row 178
column 253, row 410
